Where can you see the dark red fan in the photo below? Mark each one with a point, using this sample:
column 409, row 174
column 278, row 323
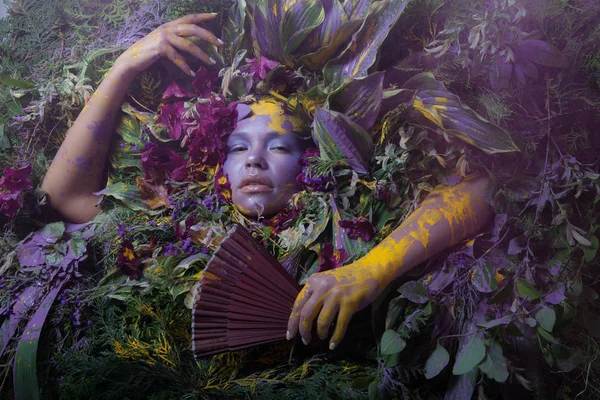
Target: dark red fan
column 244, row 298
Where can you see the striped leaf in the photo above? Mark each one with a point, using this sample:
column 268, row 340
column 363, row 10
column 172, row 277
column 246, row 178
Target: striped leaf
column 233, row 30
column 362, row 51
column 298, row 22
column 322, row 36
column 445, row 110
column 25, row 369
column 360, row 99
column 339, row 137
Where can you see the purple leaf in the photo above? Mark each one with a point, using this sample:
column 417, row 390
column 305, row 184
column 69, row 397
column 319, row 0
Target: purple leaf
column 483, row 277
column 356, row 8
column 500, row 76
column 542, row 53
column 415, row 292
column 442, row 278
column 338, row 135
column 360, row 99
column 30, row 254
column 361, row 53
column 265, row 29
column 298, row 22
column 316, row 60
column 24, row 302
column 323, row 35
column 25, row 368
column 557, row 295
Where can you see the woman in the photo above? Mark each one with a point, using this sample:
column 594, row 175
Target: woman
column 262, row 165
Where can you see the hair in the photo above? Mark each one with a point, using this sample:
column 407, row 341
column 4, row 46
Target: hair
column 270, row 105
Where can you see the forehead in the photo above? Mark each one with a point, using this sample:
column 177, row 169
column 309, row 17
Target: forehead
column 264, row 124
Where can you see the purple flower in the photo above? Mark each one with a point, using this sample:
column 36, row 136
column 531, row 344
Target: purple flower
column 174, row 92
column 216, row 120
column 359, row 228
column 121, row 230
column 16, row 180
column 205, row 82
column 159, row 162
column 331, row 258
column 171, row 116
column 11, row 187
column 260, row 67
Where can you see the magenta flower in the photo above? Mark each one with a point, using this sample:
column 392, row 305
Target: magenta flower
column 283, row 219
column 171, row 116
column 331, row 258
column 260, row 67
column 11, row 187
column 174, row 92
column 216, row 120
column 359, row 228
column 205, row 82
column 16, row 180
column 158, row 163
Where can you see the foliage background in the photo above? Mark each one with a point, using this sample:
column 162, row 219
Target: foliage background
column 95, row 346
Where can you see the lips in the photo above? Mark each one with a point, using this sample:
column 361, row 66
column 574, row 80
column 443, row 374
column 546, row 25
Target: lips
column 255, row 184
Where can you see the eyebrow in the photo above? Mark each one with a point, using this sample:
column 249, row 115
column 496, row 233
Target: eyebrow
column 270, row 135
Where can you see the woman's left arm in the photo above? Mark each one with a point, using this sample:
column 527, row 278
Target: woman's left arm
column 446, row 216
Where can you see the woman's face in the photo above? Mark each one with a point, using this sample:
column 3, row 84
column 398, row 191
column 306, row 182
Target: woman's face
column 262, row 161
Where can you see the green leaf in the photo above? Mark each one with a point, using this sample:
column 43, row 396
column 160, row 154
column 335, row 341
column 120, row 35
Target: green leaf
column 507, row 319
column 129, row 195
column 25, row 368
column 415, row 292
column 469, row 356
column 13, row 82
column 548, row 337
column 494, row 365
column 526, row 289
column 53, row 232
column 78, row 247
column 436, row 362
column 567, row 359
column 391, row 342
column 391, row 360
column 484, row 277
column 54, row 258
column 590, row 252
column 4, row 141
column 546, row 317
column 362, row 382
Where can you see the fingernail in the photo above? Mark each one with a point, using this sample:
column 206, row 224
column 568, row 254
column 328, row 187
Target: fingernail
column 332, row 346
column 288, row 335
column 212, row 60
column 219, row 41
column 304, row 341
column 192, row 73
column 214, row 13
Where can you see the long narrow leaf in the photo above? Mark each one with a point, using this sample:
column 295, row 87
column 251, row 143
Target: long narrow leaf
column 25, row 369
column 338, row 135
column 361, row 53
column 298, row 22
column 360, row 99
column 21, row 307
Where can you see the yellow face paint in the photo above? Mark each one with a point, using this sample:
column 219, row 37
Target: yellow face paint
column 279, row 121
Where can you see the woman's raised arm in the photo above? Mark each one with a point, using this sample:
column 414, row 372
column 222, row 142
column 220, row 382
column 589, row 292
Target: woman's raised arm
column 77, row 170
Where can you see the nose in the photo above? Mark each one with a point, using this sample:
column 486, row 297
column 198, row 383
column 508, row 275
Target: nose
column 256, row 159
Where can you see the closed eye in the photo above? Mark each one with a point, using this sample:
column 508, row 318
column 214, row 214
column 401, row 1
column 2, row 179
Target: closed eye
column 237, row 149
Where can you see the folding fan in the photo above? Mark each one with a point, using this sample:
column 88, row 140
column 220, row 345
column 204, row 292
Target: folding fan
column 244, row 298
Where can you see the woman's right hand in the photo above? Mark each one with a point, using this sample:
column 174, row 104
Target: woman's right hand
column 166, row 40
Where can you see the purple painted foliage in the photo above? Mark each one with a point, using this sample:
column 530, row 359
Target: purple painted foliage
column 159, row 163
column 330, row 258
column 307, row 178
column 259, row 67
column 359, row 227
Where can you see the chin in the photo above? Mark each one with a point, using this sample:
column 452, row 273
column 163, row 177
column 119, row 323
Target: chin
column 256, row 209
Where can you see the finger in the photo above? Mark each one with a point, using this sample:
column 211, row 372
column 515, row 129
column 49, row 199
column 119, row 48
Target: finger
column 194, row 18
column 176, row 58
column 187, row 30
column 301, row 300
column 327, row 315
column 184, row 44
column 346, row 313
column 308, row 314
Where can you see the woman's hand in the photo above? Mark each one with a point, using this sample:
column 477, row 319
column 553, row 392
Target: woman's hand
column 342, row 291
column 166, row 40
